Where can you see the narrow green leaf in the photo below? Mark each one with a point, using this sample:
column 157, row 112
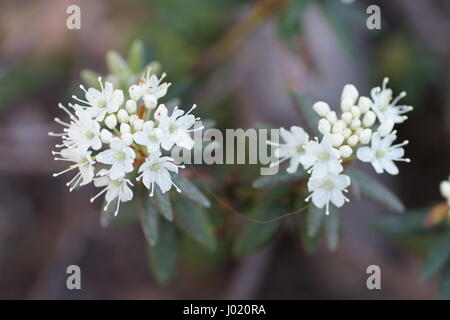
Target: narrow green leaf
column 193, row 220
column 437, row 256
column 162, row 203
column 332, row 228
column 409, row 224
column 90, row 78
column 116, row 64
column 444, row 285
column 305, row 107
column 189, row 190
column 163, row 256
column 128, row 213
column 309, row 244
column 280, row 178
column 255, row 235
column 136, row 56
column 314, row 219
column 371, row 189
column 149, row 222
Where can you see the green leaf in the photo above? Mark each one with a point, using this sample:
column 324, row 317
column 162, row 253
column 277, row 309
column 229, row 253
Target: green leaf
column 309, row 244
column 189, row 190
column 193, row 220
column 281, row 178
column 305, row 107
column 116, row 64
column 409, row 224
column 444, row 285
column 332, row 228
column 136, row 56
column 163, row 256
column 254, row 235
column 289, row 20
column 162, row 203
column 90, row 78
column 437, row 256
column 371, row 189
column 314, row 219
column 128, row 213
column 149, row 222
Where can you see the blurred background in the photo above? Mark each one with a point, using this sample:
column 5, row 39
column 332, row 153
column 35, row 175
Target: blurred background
column 236, row 59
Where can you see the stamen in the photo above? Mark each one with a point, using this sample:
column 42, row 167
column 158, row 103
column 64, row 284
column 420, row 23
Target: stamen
column 98, row 194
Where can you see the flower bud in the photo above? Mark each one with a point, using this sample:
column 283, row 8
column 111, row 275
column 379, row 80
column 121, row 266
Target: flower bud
column 345, row 151
column 321, row 108
column 125, row 128
column 106, row 136
column 350, row 92
column 324, row 126
column 359, row 130
column 353, row 140
column 122, row 116
column 364, row 104
column 347, row 116
column 131, row 106
column 138, row 124
column 132, row 119
column 346, row 104
column 111, row 121
column 355, row 111
column 386, row 127
column 444, row 187
column 331, row 117
column 369, row 119
column 346, row 133
column 355, row 124
column 338, row 126
column 365, row 136
column 127, row 138
column 135, row 92
column 337, row 139
column 150, row 101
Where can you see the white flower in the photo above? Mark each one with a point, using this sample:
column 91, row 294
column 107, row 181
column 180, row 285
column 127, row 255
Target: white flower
column 82, row 161
column 149, row 136
column 156, row 169
column 293, row 147
column 102, row 102
column 322, row 158
column 382, row 154
column 176, row 127
column 119, row 156
column 386, row 108
column 114, row 188
column 328, row 188
column 444, row 187
column 151, row 86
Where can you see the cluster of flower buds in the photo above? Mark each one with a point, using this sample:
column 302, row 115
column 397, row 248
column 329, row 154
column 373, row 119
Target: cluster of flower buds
column 113, row 136
column 365, row 125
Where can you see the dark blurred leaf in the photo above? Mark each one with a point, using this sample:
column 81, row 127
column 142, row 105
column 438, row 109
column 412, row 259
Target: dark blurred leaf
column 373, row 190
column 309, row 244
column 283, row 177
column 314, row 219
column 149, row 222
column 308, row 113
column 161, row 202
column 254, row 235
column 409, row 224
column 128, row 213
column 193, row 220
column 163, row 256
column 136, row 56
column 437, row 256
column 332, row 228
column 444, row 285
column 90, row 78
column 189, row 190
column 337, row 15
column 289, row 19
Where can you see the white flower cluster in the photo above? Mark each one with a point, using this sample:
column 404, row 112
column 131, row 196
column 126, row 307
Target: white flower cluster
column 444, row 187
column 109, row 138
column 352, row 130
